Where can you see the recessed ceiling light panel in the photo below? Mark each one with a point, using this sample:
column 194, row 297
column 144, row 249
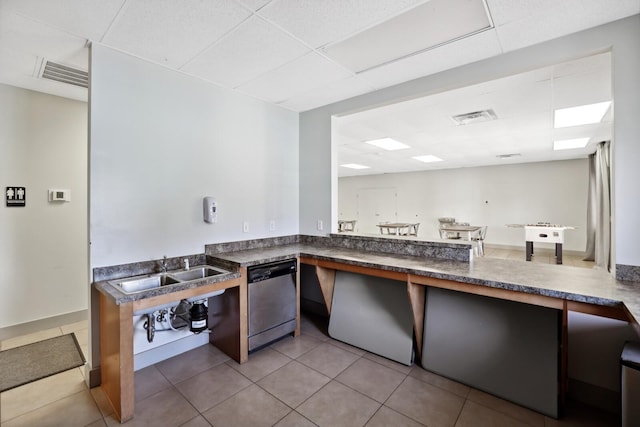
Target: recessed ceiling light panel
column 428, row 158
column 388, row 144
column 354, row 166
column 569, row 144
column 426, row 26
column 582, row 115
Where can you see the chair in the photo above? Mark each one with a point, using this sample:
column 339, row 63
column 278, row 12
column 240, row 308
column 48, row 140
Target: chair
column 444, row 221
column 479, row 241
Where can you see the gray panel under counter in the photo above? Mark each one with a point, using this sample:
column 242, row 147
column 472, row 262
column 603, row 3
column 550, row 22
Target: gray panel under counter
column 374, row 314
column 508, row 349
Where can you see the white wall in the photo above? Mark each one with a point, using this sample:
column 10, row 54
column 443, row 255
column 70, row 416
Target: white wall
column 494, row 196
column 43, row 246
column 160, row 141
column 622, row 37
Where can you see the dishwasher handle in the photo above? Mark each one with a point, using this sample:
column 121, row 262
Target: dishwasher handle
column 262, row 272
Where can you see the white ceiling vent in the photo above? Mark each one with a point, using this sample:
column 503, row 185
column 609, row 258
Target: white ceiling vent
column 64, row 74
column 474, row 117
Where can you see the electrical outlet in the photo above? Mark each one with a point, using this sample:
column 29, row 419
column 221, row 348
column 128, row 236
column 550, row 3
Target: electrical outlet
column 245, row 227
column 320, row 225
column 272, row 226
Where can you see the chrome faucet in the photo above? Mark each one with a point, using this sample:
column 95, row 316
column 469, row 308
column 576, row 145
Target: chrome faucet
column 164, row 264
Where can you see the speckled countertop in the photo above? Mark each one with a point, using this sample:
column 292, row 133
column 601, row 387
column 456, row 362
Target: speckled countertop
column 566, row 282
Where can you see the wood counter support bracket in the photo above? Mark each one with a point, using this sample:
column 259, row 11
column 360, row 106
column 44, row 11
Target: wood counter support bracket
column 327, row 279
column 417, row 300
column 564, row 356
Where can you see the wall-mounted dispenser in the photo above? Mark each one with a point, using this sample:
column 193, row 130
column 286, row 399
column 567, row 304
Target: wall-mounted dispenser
column 209, row 209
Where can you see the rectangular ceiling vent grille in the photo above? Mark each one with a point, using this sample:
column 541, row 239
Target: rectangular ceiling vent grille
column 65, row 74
column 474, row 117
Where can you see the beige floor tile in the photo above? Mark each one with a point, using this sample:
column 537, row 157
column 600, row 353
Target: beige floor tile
column 510, row 409
column 30, row 338
column 101, row 400
column 82, row 336
column 348, row 347
column 167, row 408
column 293, row 383
column 198, row 421
column 315, row 326
column 386, row 417
column 294, row 419
column 149, row 381
column 98, row 423
column 425, row 403
column 328, row 359
column 29, row 397
column 252, row 407
column 371, row 379
column 296, row 346
column 260, row 364
column 212, row 386
column 577, row 414
column 388, row 363
column 190, row 363
column 337, row 405
column 75, row 327
column 75, row 410
column 475, row 415
column 439, row 381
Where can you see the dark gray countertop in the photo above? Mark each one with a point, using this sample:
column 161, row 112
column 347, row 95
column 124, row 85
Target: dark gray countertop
column 558, row 281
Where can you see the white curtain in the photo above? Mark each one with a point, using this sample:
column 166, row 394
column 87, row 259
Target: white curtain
column 599, row 208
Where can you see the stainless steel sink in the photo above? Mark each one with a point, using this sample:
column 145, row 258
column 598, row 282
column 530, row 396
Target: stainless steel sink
column 196, row 273
column 140, row 284
column 131, row 286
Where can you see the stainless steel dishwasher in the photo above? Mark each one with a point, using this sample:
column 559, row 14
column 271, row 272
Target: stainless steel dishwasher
column 272, row 301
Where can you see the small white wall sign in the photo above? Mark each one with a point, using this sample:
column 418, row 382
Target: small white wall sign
column 16, row 196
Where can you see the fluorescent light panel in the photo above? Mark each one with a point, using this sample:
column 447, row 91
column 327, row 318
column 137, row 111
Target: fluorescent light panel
column 427, row 26
column 428, row 158
column 582, row 115
column 354, row 166
column 388, row 144
column 568, row 144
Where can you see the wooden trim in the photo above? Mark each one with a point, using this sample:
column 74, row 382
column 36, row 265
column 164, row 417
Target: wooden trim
column 297, row 331
column 416, row 295
column 116, row 356
column 369, row 271
column 564, row 356
column 327, row 279
column 505, row 294
column 244, row 316
column 618, row 313
column 186, row 293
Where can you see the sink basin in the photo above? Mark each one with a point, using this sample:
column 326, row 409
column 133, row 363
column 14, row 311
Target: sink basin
column 195, row 273
column 142, row 284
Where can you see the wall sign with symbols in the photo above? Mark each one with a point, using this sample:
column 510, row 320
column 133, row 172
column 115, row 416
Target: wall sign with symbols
column 16, row 196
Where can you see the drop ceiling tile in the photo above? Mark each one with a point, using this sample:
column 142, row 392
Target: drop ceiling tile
column 253, row 48
column 31, row 37
column 477, row 47
column 560, row 19
column 254, row 4
column 296, row 77
column 320, row 22
column 84, row 18
column 327, row 94
column 170, row 32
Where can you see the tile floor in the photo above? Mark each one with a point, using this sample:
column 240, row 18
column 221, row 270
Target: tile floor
column 304, row 381
column 545, row 257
